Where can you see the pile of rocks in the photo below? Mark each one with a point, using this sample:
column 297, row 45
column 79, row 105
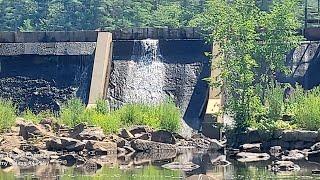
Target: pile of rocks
column 29, row 144
column 282, row 159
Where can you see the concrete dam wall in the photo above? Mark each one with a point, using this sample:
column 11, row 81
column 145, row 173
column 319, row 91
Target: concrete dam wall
column 42, row 70
column 153, row 70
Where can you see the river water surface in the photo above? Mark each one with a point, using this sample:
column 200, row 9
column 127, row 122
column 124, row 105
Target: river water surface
column 118, row 169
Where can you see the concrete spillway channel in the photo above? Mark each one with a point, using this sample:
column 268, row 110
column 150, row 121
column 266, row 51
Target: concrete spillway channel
column 41, row 70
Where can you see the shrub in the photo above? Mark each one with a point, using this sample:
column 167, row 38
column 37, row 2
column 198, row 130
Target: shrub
column 306, row 110
column 170, row 116
column 73, row 113
column 7, row 114
column 102, row 106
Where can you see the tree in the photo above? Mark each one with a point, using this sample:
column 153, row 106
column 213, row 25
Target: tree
column 254, row 43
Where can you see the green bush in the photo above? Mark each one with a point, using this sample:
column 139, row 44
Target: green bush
column 306, row 110
column 7, row 114
column 170, row 116
column 73, row 113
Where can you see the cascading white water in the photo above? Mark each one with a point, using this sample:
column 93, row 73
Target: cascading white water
column 146, row 74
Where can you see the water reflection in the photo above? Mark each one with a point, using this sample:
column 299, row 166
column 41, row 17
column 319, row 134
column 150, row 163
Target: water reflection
column 147, row 166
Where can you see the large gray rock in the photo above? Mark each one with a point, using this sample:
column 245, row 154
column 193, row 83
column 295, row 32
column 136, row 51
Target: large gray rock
column 300, row 135
column 254, row 148
column 61, row 143
column 82, row 132
column 140, row 130
column 252, row 157
column 293, row 155
column 216, row 145
column 315, row 147
column 163, row 137
column 275, row 151
column 147, row 146
column 29, row 130
column 283, row 166
column 124, row 133
column 101, row 147
column 188, row 166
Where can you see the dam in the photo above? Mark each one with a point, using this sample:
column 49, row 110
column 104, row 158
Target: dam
column 42, row 70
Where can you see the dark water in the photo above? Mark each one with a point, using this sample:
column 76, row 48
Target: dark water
column 153, row 170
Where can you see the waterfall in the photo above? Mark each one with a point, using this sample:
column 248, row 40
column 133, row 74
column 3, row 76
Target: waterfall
column 146, row 74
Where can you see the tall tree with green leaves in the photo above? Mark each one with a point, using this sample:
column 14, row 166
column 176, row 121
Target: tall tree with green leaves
column 254, row 43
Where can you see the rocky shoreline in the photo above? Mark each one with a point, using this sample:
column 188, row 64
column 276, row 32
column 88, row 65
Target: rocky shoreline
column 87, row 147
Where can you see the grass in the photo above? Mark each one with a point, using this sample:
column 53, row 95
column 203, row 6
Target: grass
column 162, row 116
column 7, row 114
column 306, row 110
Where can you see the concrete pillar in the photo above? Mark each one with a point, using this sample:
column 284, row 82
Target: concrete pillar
column 215, row 101
column 101, row 68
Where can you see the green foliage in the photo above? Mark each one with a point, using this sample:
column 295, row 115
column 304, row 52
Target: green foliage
column 306, row 109
column 253, row 42
column 102, row 106
column 7, row 114
column 73, row 113
column 31, row 15
column 36, row 118
column 163, row 116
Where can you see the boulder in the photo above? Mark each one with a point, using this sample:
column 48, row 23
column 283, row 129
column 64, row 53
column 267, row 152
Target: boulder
column 62, row 143
column 188, row 166
column 10, row 142
column 124, row 133
column 315, row 147
column 220, row 160
column 101, row 147
column 129, row 149
column 275, row 151
column 143, row 136
column 254, row 148
column 216, row 145
column 29, row 130
column 283, row 166
column 163, row 136
column 252, row 157
column 140, row 130
column 146, row 146
column 293, row 155
column 300, row 135
column 82, row 132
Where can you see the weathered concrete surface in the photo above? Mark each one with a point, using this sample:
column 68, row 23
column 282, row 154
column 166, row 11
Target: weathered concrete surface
column 57, row 49
column 101, row 68
column 304, row 62
column 184, row 67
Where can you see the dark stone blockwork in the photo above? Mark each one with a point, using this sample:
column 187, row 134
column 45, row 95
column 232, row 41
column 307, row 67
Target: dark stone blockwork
column 44, row 82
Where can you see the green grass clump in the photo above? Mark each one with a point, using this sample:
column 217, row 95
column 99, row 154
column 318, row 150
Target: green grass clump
column 306, row 110
column 73, row 113
column 163, row 116
column 7, row 114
